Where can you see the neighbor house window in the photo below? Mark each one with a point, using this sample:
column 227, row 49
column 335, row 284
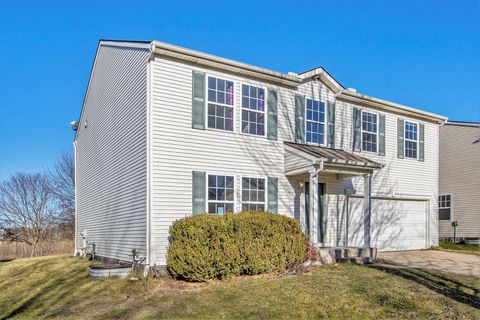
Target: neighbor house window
column 220, row 194
column 315, row 121
column 253, row 194
column 411, row 139
column 444, row 207
column 253, row 110
column 220, row 104
column 369, row 131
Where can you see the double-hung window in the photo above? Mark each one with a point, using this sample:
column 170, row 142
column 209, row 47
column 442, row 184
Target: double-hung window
column 220, row 193
column 411, row 139
column 444, row 207
column 253, row 110
column 315, row 122
column 253, row 194
column 369, row 131
column 220, row 104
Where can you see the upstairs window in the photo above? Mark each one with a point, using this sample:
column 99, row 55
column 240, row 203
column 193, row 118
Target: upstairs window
column 444, row 206
column 220, row 104
column 411, row 139
column 253, row 194
column 369, row 131
column 220, row 194
column 315, row 122
column 253, row 110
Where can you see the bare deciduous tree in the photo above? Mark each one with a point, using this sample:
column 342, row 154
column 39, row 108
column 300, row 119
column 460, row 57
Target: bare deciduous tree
column 63, row 180
column 28, row 210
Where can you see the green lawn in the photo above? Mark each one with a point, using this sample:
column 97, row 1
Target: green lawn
column 60, row 287
column 459, row 248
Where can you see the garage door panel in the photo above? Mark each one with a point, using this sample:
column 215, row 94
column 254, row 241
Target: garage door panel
column 395, row 224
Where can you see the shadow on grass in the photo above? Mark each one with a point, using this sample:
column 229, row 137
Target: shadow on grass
column 55, row 285
column 438, row 282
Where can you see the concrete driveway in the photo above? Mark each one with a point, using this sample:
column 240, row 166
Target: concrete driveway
column 450, row 262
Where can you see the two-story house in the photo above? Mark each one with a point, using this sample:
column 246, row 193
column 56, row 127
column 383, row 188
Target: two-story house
column 166, row 132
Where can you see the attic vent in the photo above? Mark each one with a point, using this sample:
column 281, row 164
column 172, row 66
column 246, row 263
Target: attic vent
column 352, row 90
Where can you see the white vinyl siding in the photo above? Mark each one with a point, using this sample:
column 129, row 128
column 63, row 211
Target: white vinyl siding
column 111, row 155
column 177, row 149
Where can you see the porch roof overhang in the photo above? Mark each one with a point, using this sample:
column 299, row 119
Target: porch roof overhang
column 334, row 160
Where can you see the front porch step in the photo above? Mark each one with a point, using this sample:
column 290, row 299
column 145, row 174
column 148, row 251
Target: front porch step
column 359, row 255
column 356, row 260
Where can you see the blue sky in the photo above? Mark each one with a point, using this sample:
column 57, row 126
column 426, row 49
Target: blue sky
column 424, row 54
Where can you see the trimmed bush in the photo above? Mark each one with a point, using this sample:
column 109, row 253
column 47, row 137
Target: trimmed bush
column 208, row 246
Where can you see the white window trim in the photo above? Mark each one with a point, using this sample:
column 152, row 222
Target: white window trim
column 234, row 202
column 252, row 202
column 451, row 208
column 235, row 89
column 405, row 138
column 264, row 112
column 324, row 123
column 361, row 127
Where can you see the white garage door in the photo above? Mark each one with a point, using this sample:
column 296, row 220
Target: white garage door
column 395, row 224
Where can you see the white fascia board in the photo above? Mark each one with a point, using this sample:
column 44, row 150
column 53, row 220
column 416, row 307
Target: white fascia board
column 322, row 75
column 358, row 98
column 197, row 57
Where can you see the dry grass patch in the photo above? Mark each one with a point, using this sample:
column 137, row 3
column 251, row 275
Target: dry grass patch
column 60, row 287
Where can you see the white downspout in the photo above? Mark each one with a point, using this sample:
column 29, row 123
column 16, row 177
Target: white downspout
column 149, row 155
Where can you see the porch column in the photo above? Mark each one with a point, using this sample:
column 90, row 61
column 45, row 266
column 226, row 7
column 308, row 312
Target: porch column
column 367, row 208
column 313, row 205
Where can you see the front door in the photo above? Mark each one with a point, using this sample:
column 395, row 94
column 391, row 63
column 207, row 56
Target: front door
column 320, row 210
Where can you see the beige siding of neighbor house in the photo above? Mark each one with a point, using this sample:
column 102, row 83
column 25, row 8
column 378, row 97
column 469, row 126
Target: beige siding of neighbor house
column 460, row 177
column 177, row 150
column 111, row 154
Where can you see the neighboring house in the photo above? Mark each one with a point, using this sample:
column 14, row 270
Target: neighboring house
column 459, row 186
column 166, row 132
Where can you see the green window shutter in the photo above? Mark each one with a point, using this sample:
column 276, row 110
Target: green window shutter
column 400, row 138
column 331, row 124
column 272, row 194
column 198, row 192
column 299, row 118
column 381, row 134
column 421, row 142
column 198, row 100
column 272, row 120
column 357, row 129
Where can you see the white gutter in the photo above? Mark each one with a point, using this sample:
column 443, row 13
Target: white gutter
column 383, row 104
column 192, row 56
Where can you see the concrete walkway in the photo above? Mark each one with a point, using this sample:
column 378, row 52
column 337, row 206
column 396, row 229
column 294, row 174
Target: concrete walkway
column 450, row 262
